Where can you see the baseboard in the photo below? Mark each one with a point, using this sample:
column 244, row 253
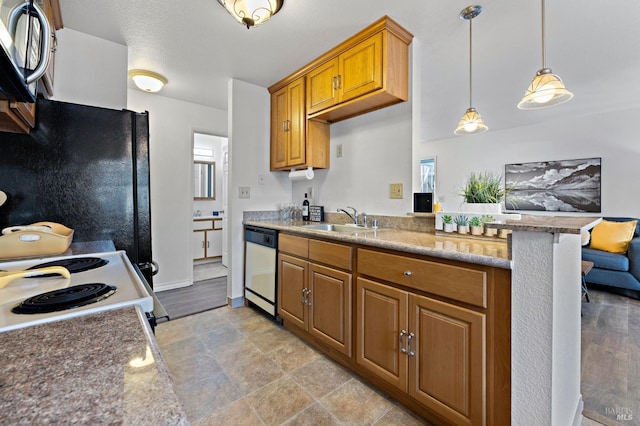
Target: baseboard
column 235, row 303
column 170, row 285
column 600, row 418
column 577, row 417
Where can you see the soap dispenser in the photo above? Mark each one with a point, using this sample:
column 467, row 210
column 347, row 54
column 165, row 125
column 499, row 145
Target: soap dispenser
column 305, row 208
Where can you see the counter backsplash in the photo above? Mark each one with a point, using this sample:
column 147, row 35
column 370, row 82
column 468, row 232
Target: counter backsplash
column 406, row 223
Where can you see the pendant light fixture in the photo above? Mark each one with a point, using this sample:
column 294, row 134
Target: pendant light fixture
column 252, row 12
column 546, row 88
column 471, row 123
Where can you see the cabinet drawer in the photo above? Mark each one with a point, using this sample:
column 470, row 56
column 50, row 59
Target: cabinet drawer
column 298, row 246
column 199, row 225
column 337, row 255
column 454, row 282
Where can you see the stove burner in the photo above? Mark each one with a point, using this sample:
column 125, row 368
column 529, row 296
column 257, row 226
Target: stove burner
column 74, row 264
column 65, row 298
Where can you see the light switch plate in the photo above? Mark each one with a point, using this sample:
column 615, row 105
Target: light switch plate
column 244, row 192
column 339, row 150
column 395, row 191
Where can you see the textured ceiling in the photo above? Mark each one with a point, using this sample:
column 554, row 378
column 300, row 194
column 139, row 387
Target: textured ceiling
column 199, row 47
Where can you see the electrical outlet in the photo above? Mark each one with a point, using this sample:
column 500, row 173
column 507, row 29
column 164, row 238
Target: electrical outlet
column 310, row 192
column 395, row 191
column 339, row 150
column 260, row 178
column 244, row 192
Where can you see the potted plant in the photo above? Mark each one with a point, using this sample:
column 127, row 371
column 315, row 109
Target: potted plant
column 475, row 225
column 483, row 193
column 488, row 232
column 462, row 222
column 447, row 223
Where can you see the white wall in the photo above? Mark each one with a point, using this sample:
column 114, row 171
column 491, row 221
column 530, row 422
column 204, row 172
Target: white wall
column 90, row 70
column 376, row 151
column 611, row 135
column 171, row 127
column 249, row 141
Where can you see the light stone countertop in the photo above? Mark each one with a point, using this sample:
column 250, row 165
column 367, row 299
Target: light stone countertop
column 552, row 224
column 483, row 252
column 80, row 371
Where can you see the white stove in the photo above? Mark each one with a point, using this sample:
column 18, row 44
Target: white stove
column 117, row 272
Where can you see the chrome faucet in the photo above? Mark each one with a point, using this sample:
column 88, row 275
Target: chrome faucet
column 353, row 217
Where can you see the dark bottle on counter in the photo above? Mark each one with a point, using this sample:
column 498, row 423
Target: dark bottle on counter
column 305, row 208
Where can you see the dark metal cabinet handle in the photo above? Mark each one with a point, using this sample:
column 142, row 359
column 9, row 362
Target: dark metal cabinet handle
column 409, row 340
column 402, row 348
column 308, row 298
column 303, row 298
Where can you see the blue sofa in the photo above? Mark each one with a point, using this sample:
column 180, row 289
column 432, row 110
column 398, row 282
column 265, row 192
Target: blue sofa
column 620, row 270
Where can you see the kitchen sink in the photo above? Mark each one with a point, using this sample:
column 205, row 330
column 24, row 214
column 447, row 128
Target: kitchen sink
column 330, row 227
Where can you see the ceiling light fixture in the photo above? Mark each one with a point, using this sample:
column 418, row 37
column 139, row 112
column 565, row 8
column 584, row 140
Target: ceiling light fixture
column 546, row 88
column 251, row 12
column 471, row 122
column 147, row 81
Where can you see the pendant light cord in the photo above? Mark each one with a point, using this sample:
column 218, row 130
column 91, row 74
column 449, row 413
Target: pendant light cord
column 543, row 24
column 470, row 63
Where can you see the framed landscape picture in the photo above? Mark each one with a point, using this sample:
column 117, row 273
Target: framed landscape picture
column 561, row 186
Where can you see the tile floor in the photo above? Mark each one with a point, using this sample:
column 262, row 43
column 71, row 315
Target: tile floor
column 236, row 367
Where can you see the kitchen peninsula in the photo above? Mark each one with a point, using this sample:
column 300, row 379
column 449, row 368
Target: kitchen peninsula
column 528, row 305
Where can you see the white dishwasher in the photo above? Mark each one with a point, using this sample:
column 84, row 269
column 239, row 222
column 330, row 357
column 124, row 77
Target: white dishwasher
column 260, row 285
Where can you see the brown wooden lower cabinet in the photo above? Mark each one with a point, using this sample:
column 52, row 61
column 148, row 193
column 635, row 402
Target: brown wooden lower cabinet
column 442, row 351
column 316, row 299
column 430, row 349
column 446, row 353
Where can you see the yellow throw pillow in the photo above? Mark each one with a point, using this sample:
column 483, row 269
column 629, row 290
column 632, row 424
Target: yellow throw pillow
column 613, row 237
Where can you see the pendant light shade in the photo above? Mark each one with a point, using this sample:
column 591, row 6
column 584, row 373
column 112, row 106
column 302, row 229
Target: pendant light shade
column 252, row 12
column 471, row 123
column 546, row 88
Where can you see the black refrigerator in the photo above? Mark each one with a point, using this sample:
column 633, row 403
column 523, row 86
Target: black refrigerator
column 86, row 168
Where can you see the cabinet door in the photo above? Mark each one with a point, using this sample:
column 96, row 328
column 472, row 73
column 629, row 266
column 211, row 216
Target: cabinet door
column 321, row 86
column 330, row 307
column 292, row 284
column 361, row 68
column 447, row 372
column 198, row 244
column 381, row 315
column 279, row 134
column 214, row 243
column 296, row 148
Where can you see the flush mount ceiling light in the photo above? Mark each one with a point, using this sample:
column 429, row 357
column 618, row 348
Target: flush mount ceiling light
column 471, row 122
column 546, row 88
column 251, row 12
column 147, row 81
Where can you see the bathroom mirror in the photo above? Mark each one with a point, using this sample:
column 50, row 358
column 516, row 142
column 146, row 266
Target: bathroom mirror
column 204, row 174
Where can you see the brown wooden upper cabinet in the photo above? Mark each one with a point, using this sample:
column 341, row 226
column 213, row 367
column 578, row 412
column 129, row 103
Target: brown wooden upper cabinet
column 368, row 71
column 296, row 142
